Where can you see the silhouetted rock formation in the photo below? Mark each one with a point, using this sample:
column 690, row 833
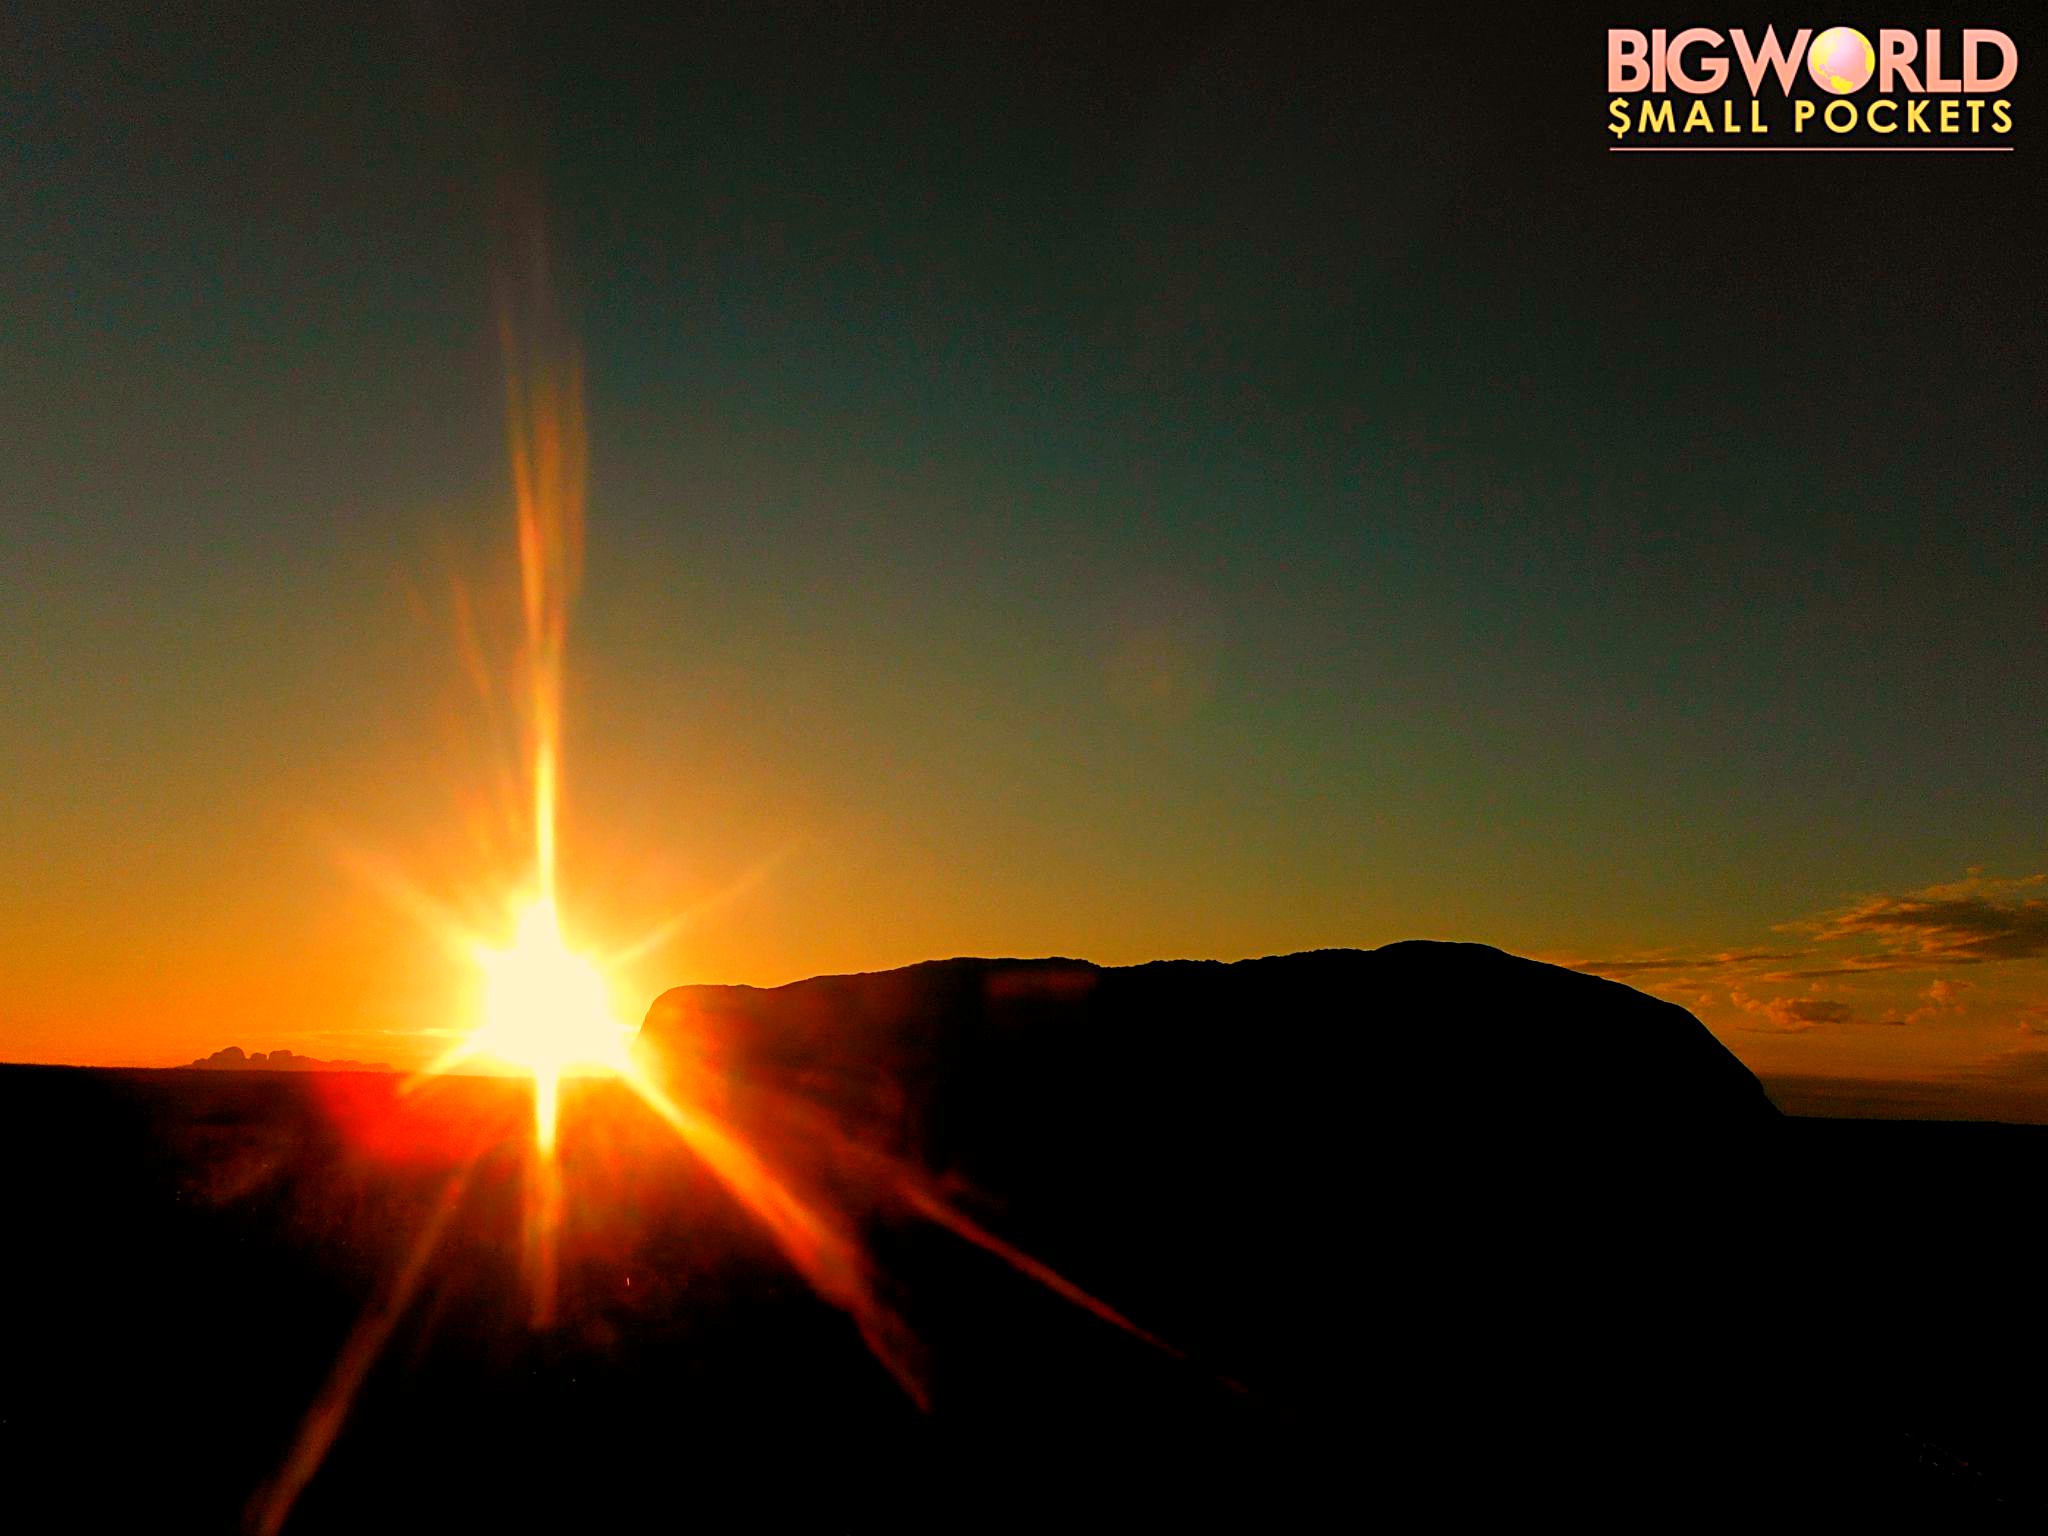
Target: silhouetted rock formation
column 1438, row 1230
column 1447, row 1033
column 1478, row 1186
column 233, row 1059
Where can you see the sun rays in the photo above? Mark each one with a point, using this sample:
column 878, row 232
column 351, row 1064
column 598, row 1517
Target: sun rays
column 547, row 1010
column 545, row 1006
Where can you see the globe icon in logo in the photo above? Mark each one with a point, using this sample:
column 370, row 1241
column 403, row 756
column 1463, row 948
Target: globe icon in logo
column 1841, row 60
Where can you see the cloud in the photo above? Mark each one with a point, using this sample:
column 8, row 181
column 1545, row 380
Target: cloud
column 1731, row 960
column 1791, row 1014
column 1857, row 964
column 1974, row 921
column 1939, row 998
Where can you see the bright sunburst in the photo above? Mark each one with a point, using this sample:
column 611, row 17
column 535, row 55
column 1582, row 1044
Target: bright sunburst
column 546, row 1009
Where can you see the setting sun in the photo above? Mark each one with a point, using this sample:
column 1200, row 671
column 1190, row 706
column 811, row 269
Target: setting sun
column 545, row 1008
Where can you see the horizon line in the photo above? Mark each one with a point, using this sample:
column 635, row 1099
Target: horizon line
column 1811, row 149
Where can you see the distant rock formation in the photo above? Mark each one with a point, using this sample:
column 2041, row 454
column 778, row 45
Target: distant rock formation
column 1470, row 1187
column 1458, row 1037
column 234, row 1059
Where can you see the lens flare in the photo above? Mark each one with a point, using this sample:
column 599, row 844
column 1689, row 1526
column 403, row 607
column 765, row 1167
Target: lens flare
column 550, row 464
column 545, row 1009
column 544, row 1006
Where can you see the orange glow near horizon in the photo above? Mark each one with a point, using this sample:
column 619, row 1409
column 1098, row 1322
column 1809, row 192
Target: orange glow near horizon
column 545, row 1010
column 544, row 1006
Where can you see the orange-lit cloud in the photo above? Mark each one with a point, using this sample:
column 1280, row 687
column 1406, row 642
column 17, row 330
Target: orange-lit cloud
column 1972, row 921
column 1977, row 920
column 1852, row 1003
column 1639, row 965
column 1792, row 1013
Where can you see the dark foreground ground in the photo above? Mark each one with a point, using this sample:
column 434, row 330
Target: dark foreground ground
column 1388, row 1305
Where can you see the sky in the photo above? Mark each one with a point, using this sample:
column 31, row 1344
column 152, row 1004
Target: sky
column 1193, row 480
